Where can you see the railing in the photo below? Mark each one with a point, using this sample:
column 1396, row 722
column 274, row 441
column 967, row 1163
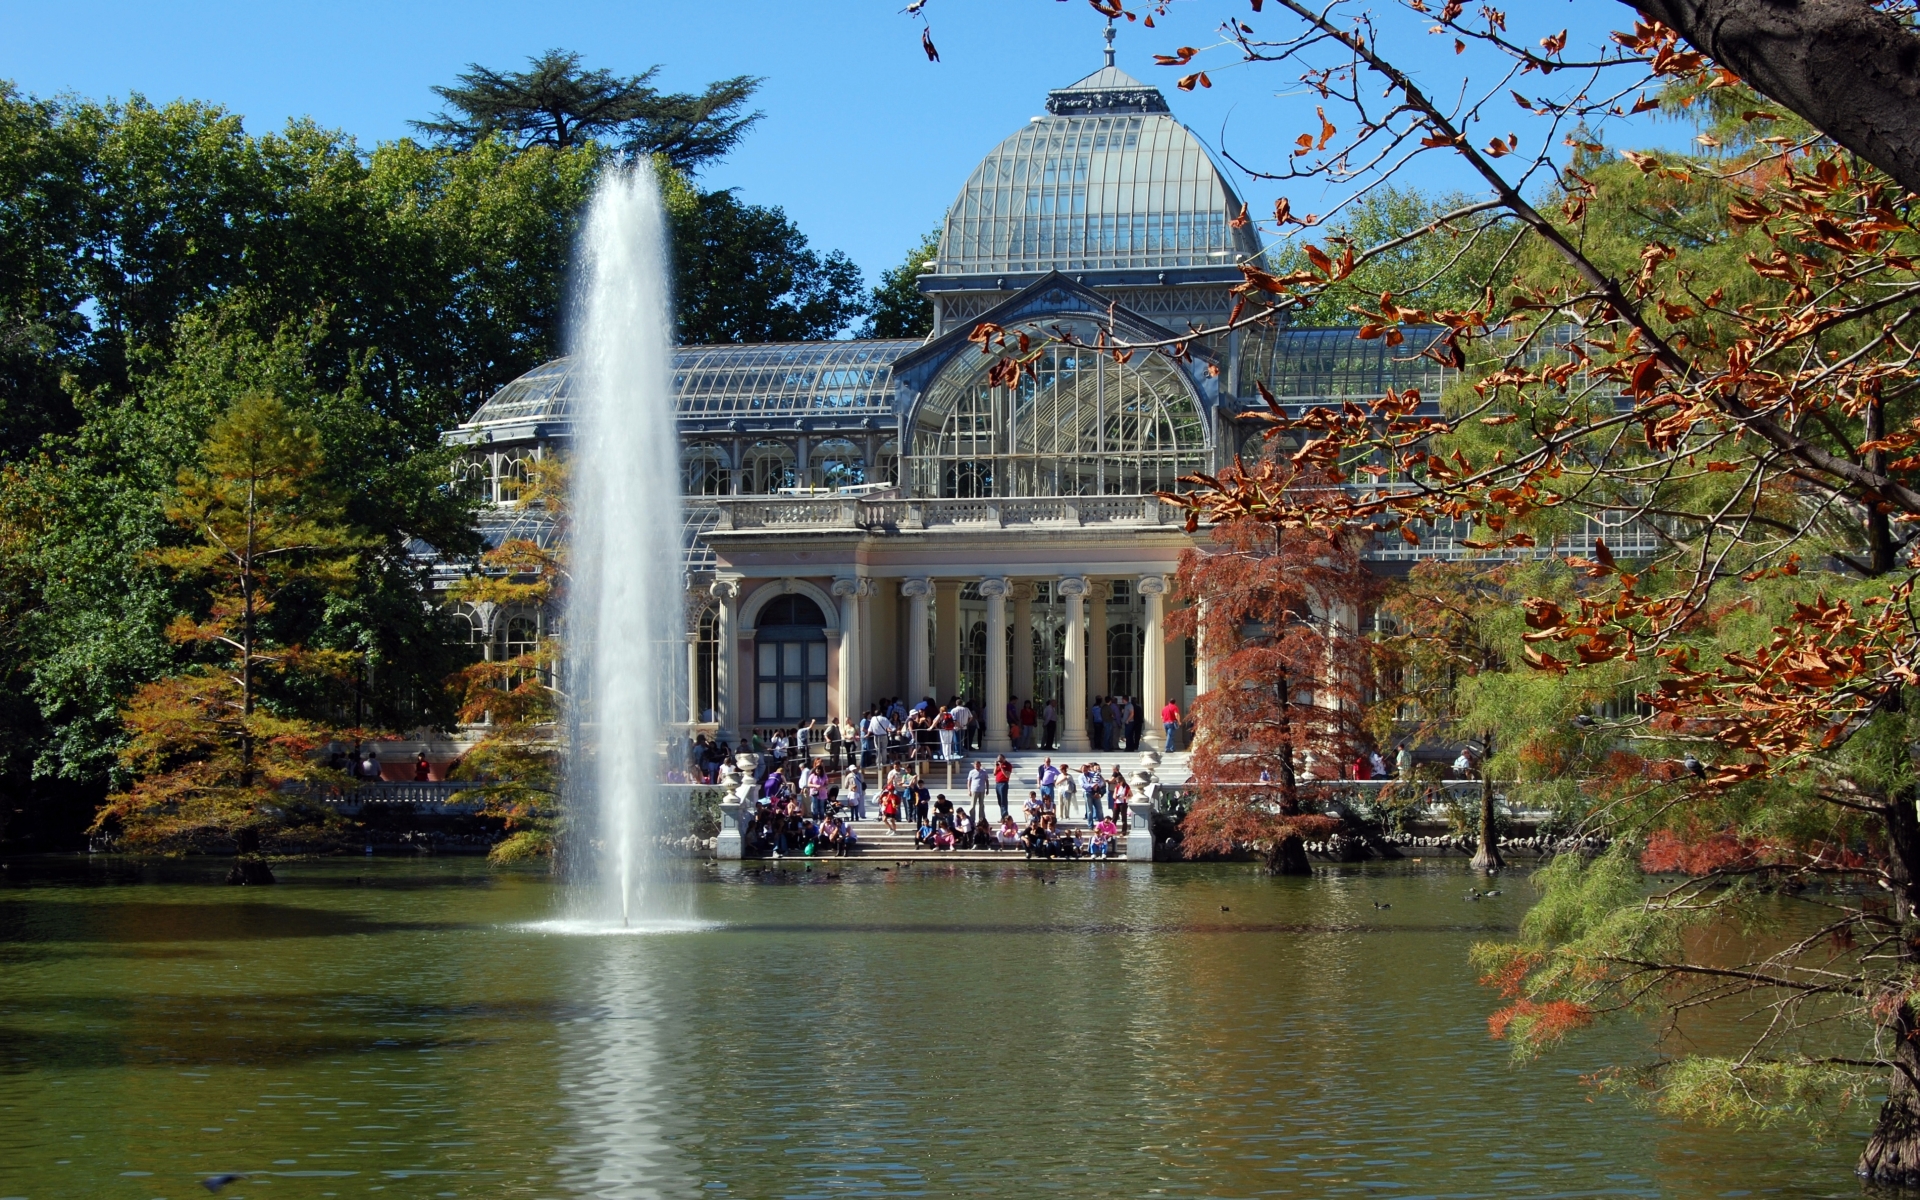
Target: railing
column 1443, row 540
column 890, row 516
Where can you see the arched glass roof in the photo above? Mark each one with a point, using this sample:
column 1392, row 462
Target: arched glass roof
column 1306, row 366
column 778, row 379
column 1095, row 187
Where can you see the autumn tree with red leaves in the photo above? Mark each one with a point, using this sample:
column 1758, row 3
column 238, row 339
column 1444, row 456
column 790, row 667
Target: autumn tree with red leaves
column 1277, row 613
column 1710, row 357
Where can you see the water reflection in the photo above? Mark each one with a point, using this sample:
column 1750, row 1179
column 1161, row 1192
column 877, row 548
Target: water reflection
column 623, row 1073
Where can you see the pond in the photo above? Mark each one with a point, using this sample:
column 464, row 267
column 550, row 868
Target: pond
column 405, row 1028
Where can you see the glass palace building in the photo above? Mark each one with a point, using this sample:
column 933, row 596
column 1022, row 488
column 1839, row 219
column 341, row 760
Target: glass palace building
column 870, row 519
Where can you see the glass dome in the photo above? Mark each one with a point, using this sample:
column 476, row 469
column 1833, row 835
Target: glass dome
column 1107, row 181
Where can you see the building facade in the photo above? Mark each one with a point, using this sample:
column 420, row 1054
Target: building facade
column 871, row 519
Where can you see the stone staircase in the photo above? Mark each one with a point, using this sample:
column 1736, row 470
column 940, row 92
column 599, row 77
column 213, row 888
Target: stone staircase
column 878, row 846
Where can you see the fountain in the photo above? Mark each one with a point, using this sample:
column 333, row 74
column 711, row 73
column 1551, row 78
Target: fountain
column 624, row 603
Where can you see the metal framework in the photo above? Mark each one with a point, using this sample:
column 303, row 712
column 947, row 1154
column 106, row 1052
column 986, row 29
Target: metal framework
column 1114, row 191
column 1080, row 425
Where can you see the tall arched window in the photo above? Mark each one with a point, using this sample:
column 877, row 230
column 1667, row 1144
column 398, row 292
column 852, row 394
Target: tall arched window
column 703, row 471
column 886, row 464
column 513, row 480
column 790, row 653
column 1123, row 661
column 769, row 468
column 973, row 665
column 707, row 683
column 1080, row 424
column 837, row 463
column 519, row 637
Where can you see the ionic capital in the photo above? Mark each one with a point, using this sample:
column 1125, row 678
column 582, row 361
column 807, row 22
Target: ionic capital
column 997, row 585
column 846, row 587
column 1072, row 585
column 1152, row 585
column 723, row 590
column 916, row 587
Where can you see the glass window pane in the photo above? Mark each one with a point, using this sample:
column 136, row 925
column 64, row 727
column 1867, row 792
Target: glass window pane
column 790, row 664
column 769, row 658
column 817, row 700
column 790, row 699
column 769, row 707
column 816, row 658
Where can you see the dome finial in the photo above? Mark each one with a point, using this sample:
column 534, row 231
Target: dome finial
column 1109, row 36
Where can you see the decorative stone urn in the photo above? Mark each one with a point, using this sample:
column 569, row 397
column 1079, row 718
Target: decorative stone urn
column 1140, row 815
column 736, row 782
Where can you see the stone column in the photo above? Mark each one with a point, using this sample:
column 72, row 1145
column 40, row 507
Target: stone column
column 728, row 687
column 1073, row 729
column 1023, row 642
column 995, row 702
column 1202, row 669
column 1153, row 661
column 848, row 591
column 693, row 677
column 1097, row 680
column 863, row 682
column 946, row 632
column 916, row 590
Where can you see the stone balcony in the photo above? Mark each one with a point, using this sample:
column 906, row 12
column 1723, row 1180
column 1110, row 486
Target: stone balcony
column 893, row 515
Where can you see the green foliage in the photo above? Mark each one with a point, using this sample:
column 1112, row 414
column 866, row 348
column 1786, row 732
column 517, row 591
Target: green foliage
column 1802, row 1093
column 526, row 845
column 1435, row 272
column 224, row 749
column 899, row 309
column 744, row 273
column 559, row 103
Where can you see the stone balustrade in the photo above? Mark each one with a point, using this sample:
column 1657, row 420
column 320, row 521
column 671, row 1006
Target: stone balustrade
column 896, row 516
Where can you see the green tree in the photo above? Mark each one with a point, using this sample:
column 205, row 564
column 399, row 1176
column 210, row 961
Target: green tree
column 744, row 273
column 1437, row 270
column 898, row 308
column 559, row 103
column 223, row 750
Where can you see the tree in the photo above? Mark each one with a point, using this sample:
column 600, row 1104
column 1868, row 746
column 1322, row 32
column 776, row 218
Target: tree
column 518, row 703
column 744, row 273
column 1439, row 272
column 1844, row 65
column 1276, row 612
column 898, row 308
column 1714, row 434
column 221, row 751
column 559, row 103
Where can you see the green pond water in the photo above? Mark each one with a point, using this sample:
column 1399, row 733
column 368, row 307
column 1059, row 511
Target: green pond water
column 401, row 1029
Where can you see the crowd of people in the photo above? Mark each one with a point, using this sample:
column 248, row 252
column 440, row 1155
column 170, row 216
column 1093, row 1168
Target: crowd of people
column 893, row 731
column 810, row 807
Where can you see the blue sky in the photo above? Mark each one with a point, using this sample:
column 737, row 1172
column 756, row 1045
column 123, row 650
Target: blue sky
column 864, row 144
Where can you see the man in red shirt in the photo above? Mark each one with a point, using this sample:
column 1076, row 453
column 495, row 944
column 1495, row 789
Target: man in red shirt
column 1170, row 721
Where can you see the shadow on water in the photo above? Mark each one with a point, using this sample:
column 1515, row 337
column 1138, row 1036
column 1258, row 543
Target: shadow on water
column 68, row 1032
column 238, row 920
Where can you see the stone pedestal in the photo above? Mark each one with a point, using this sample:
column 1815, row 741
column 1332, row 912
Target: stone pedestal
column 737, row 780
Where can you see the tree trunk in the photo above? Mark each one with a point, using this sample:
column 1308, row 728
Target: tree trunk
column 1486, row 858
column 248, row 866
column 1288, row 856
column 1880, row 549
column 1848, row 68
column 1892, row 1156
